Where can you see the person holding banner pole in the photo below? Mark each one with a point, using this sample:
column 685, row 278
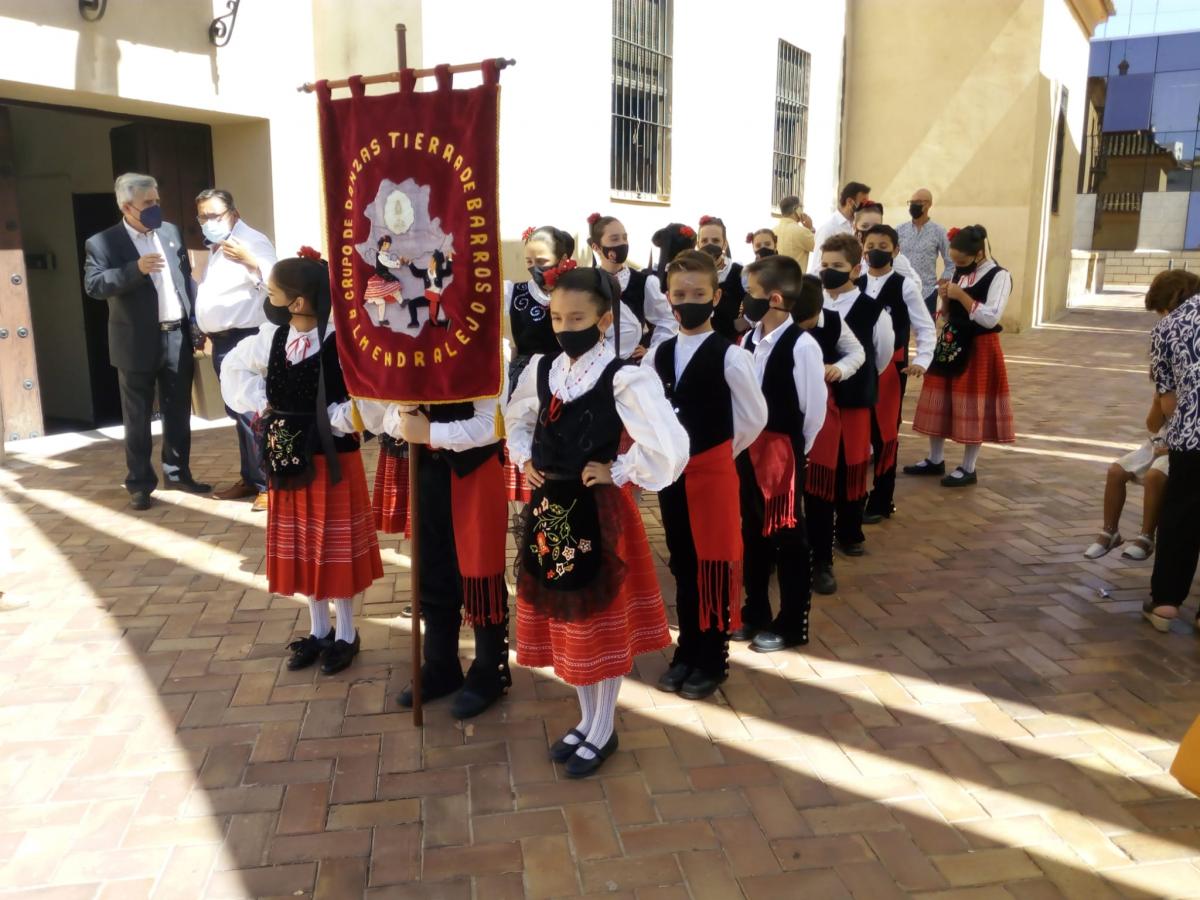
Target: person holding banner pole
column 588, row 598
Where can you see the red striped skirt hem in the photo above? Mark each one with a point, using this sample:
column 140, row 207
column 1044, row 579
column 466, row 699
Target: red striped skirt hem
column 973, row 407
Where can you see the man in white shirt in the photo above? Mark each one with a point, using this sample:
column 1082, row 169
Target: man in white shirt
column 841, row 222
column 140, row 267
column 229, row 309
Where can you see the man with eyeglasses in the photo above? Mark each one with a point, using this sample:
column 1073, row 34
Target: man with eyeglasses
column 229, row 309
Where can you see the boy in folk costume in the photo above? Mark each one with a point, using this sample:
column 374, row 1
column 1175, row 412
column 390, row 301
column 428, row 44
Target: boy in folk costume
column 463, row 517
column 836, row 485
column 433, row 274
column 320, row 539
column 789, row 370
column 588, row 599
column 713, row 387
column 902, row 300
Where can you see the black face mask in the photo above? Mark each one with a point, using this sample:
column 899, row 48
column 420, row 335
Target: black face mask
column 577, row 343
column 617, row 253
column 693, row 315
column 916, row 210
column 276, row 315
column 879, row 259
column 832, row 279
column 538, row 274
column 754, row 308
column 966, row 270
column 764, row 252
column 713, row 250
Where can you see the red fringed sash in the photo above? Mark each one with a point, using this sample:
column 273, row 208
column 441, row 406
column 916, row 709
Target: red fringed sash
column 887, row 414
column 711, row 485
column 479, row 513
column 850, row 431
column 774, row 464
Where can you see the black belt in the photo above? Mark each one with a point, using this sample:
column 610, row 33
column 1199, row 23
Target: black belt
column 170, row 326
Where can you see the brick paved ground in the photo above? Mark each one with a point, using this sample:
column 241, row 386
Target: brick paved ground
column 981, row 713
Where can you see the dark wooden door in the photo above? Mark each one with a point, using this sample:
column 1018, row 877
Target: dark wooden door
column 20, row 393
column 179, row 156
column 94, row 213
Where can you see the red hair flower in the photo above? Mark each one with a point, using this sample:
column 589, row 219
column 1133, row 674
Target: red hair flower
column 951, row 234
column 307, row 252
column 687, row 232
column 704, row 220
column 551, row 276
column 527, row 234
column 593, row 218
column 749, row 237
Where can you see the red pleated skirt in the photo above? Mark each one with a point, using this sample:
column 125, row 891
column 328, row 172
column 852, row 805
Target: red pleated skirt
column 972, row 407
column 390, row 498
column 515, row 485
column 321, row 538
column 603, row 646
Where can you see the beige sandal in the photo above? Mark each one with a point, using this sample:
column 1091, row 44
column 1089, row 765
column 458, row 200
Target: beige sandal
column 1139, row 548
column 1109, row 541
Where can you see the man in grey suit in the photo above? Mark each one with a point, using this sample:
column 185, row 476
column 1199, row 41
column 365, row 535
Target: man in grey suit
column 141, row 268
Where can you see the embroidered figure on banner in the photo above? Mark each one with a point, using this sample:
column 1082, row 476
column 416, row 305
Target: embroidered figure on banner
column 412, row 257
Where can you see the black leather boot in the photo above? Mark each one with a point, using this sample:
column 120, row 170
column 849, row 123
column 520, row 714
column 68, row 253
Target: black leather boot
column 489, row 676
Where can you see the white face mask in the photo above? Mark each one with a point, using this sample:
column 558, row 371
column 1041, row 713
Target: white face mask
column 215, row 231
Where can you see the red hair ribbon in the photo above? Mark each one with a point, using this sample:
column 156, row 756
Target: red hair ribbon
column 704, row 220
column 551, row 276
column 593, row 218
column 527, row 234
column 951, row 234
column 749, row 237
column 687, row 232
column 307, row 252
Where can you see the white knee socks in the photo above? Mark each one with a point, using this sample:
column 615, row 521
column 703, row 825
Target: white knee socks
column 345, row 620
column 318, row 611
column 605, row 713
column 970, row 457
column 937, row 450
column 587, row 712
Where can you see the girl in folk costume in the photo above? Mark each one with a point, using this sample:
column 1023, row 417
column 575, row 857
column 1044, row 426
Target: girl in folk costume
column 713, row 387
column 788, row 367
column 838, row 465
column 712, row 239
column 320, row 539
column 641, row 290
column 763, row 243
column 965, row 396
column 383, row 288
column 587, row 596
column 548, row 252
column 903, row 303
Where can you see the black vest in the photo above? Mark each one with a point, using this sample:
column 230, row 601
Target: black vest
column 977, row 292
column 702, row 399
column 730, row 305
column 634, row 296
column 861, row 390
column 827, row 336
column 779, row 385
column 570, row 435
column 292, row 388
column 462, row 462
column 531, row 329
column 891, row 298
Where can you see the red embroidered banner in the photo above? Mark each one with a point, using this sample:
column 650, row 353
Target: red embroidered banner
column 414, row 240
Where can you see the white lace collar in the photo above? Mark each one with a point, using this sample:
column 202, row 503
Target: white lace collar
column 570, row 379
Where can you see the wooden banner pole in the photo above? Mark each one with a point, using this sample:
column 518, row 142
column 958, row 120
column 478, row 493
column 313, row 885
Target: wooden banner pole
column 394, row 77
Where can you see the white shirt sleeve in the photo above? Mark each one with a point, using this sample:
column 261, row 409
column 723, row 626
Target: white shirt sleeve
column 822, row 235
column 922, row 324
column 884, row 338
column 477, row 431
column 660, row 445
column 372, row 412
column 749, row 405
column 852, row 354
column 808, row 371
column 631, row 331
column 520, row 415
column 341, row 418
column 265, row 253
column 648, row 360
column 902, row 265
column 659, row 316
column 244, row 372
column 988, row 313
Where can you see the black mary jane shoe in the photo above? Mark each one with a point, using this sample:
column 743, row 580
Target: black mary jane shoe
column 925, row 467
column 578, row 767
column 699, row 685
column 340, row 655
column 672, row 680
column 771, row 642
column 482, row 688
column 959, row 478
column 744, row 635
column 435, row 684
column 561, row 750
column 307, row 650
column 187, row 485
column 823, row 581
column 856, row 549
column 140, row 500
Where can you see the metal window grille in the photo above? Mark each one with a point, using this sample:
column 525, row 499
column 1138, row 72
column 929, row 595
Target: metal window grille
column 641, row 99
column 791, row 123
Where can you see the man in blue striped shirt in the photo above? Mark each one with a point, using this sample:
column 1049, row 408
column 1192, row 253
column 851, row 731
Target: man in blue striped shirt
column 923, row 241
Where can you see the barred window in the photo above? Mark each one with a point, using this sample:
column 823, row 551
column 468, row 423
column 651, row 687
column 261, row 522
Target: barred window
column 791, row 123
column 1060, row 140
column 641, row 99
